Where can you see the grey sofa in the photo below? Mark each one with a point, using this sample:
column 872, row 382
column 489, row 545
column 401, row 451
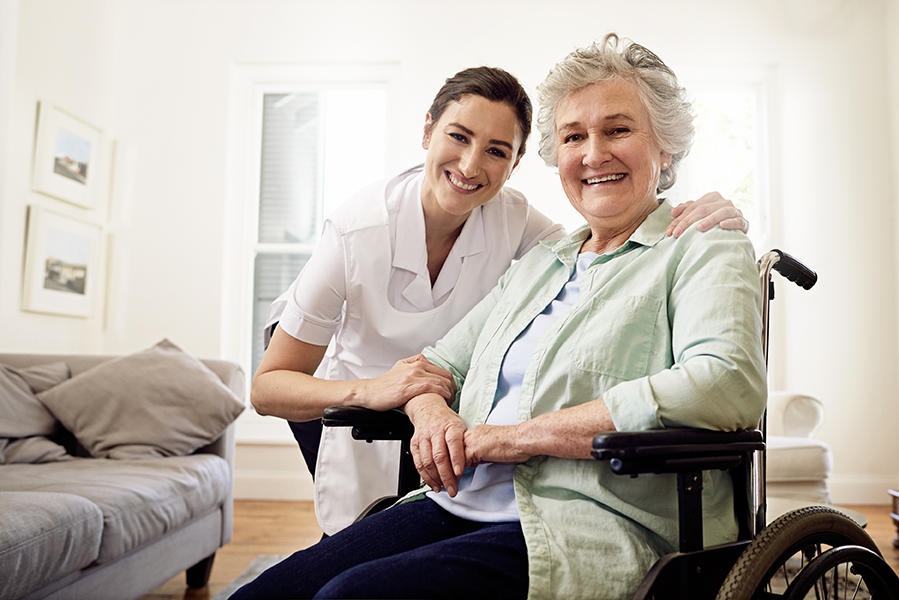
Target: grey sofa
column 116, row 527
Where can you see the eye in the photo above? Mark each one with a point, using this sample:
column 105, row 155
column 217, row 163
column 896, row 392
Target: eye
column 497, row 152
column 619, row 131
column 458, row 137
column 573, row 137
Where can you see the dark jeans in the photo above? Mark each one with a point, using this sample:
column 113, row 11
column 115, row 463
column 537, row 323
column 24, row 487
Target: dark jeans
column 308, row 435
column 414, row 550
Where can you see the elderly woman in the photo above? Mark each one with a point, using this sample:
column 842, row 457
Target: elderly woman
column 614, row 327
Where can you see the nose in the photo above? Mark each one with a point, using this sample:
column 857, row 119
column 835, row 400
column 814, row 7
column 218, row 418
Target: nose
column 470, row 164
column 596, row 151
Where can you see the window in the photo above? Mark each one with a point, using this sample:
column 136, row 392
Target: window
column 729, row 153
column 304, row 140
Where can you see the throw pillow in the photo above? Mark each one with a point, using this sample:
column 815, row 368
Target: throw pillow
column 21, row 414
column 158, row 402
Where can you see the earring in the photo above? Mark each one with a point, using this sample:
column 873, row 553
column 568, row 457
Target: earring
column 664, row 166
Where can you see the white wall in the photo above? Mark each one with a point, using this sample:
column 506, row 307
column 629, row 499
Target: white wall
column 154, row 74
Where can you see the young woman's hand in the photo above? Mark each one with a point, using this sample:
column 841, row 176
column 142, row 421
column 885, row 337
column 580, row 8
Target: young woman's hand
column 710, row 210
column 408, row 378
column 437, row 444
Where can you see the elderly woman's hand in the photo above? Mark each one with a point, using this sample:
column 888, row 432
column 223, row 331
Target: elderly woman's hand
column 494, row 444
column 437, row 444
column 710, row 210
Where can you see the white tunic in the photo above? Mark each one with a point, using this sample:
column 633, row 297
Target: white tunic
column 366, row 293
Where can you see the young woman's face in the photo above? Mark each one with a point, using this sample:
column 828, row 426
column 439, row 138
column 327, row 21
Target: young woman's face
column 609, row 160
column 472, row 150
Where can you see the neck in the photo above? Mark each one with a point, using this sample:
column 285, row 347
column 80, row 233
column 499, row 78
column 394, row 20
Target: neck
column 605, row 238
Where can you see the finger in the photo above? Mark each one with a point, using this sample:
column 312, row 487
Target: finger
column 444, row 465
column 425, row 464
column 455, row 442
column 737, row 223
column 732, row 215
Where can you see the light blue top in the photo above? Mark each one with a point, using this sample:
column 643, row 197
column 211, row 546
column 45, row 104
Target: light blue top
column 668, row 332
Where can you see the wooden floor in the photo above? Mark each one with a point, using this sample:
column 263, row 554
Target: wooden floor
column 266, row 527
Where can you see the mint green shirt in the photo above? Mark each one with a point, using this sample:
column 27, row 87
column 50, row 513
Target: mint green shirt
column 668, row 332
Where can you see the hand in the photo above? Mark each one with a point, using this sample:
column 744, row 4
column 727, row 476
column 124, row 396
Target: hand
column 408, row 378
column 493, row 444
column 713, row 209
column 437, row 444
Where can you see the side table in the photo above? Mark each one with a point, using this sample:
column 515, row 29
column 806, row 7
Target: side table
column 895, row 515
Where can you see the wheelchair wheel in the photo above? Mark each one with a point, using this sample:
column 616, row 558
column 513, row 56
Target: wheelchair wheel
column 846, row 572
column 786, row 547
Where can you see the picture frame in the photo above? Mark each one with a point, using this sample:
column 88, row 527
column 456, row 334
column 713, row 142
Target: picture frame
column 66, row 156
column 62, row 264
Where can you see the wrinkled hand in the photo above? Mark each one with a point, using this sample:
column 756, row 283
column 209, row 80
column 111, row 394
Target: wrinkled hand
column 493, row 444
column 437, row 444
column 407, row 379
column 710, row 210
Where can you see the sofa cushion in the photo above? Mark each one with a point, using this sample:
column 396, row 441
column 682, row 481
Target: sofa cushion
column 159, row 402
column 35, row 449
column 21, row 414
column 45, row 536
column 141, row 500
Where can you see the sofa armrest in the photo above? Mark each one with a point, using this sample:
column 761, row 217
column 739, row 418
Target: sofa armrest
column 794, row 415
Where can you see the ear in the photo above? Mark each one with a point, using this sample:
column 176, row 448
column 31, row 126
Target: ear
column 665, row 159
column 426, row 137
column 515, row 166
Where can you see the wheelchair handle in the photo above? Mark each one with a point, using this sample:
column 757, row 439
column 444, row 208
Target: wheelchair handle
column 794, row 270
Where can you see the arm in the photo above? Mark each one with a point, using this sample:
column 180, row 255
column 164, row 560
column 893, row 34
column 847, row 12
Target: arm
column 713, row 209
column 566, row 433
column 717, row 380
column 284, row 385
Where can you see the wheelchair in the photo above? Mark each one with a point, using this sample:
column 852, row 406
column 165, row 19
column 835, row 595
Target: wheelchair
column 812, row 552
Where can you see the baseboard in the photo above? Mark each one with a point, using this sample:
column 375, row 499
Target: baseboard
column 861, row 489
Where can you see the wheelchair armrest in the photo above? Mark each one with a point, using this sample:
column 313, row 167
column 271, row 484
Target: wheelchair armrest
column 675, row 450
column 370, row 424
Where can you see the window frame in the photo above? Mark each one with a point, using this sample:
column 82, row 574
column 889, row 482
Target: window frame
column 248, row 86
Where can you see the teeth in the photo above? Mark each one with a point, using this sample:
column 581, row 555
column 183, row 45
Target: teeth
column 606, row 178
column 458, row 183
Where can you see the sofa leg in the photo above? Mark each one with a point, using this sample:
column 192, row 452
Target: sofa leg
column 198, row 575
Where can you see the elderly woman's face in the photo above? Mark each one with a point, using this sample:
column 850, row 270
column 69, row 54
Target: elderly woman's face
column 609, row 160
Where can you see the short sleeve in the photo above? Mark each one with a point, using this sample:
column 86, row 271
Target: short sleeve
column 315, row 300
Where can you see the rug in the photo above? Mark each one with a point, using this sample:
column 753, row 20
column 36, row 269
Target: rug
column 259, row 564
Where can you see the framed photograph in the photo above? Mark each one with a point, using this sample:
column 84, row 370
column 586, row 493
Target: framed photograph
column 66, row 156
column 62, row 264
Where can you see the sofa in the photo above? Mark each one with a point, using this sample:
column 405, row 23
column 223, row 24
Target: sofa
column 115, row 472
column 798, row 465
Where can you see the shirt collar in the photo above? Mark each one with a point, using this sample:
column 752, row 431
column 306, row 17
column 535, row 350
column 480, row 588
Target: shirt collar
column 650, row 232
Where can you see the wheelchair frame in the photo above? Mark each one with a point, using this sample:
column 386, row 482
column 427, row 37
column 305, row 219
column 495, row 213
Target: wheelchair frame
column 742, row 570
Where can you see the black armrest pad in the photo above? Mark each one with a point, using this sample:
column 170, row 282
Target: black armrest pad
column 370, row 424
column 674, row 450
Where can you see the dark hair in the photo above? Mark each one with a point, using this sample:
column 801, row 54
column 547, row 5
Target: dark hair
column 493, row 84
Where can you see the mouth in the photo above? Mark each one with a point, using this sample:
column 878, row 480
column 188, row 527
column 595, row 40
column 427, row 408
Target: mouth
column 604, row 179
column 462, row 185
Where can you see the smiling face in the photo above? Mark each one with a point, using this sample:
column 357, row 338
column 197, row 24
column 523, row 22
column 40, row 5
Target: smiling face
column 472, row 150
column 609, row 160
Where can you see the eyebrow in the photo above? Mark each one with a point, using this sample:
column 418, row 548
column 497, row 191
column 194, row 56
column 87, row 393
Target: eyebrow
column 575, row 124
column 471, row 133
